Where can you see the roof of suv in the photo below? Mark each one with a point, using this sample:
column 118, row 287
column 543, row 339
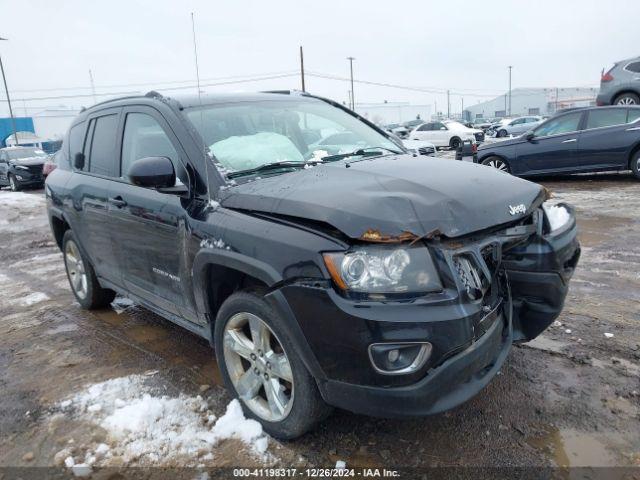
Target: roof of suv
column 194, row 100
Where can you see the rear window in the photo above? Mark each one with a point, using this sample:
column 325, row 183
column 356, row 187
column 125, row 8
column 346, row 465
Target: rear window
column 633, row 67
column 102, row 153
column 76, row 139
column 606, row 117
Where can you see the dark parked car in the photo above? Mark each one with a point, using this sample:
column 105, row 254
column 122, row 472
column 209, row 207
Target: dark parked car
column 21, row 167
column 620, row 84
column 365, row 279
column 584, row 140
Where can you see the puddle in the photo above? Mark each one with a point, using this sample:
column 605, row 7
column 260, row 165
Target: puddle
column 573, row 448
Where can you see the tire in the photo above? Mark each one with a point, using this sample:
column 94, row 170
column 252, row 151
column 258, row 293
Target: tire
column 627, row 99
column 13, row 184
column 82, row 278
column 635, row 164
column 497, row 163
column 302, row 407
column 454, row 143
column 501, row 133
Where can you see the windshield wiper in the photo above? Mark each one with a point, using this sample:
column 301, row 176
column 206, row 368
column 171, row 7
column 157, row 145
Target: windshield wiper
column 269, row 166
column 359, row 153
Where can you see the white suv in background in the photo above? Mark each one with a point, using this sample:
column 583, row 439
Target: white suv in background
column 446, row 133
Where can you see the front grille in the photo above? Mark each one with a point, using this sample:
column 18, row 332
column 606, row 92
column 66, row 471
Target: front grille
column 35, row 169
column 470, row 276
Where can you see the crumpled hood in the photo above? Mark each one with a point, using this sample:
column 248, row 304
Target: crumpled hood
column 392, row 196
column 29, row 161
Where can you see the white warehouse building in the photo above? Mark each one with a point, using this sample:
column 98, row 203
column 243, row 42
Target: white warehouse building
column 533, row 101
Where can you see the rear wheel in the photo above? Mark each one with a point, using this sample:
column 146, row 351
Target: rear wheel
column 627, row 99
column 13, row 183
column 454, row 143
column 635, row 164
column 84, row 283
column 261, row 368
column 497, row 163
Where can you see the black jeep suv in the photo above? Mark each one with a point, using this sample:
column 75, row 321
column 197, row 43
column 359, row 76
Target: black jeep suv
column 325, row 264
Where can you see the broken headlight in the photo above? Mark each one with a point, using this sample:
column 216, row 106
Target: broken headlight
column 557, row 215
column 384, row 270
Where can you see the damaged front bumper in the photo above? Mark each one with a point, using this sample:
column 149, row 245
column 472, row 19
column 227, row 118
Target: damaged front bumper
column 500, row 287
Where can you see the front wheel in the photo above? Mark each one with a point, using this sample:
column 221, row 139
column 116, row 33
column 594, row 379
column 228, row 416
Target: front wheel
column 635, row 164
column 84, row 283
column 261, row 368
column 502, row 133
column 13, row 183
column 497, row 163
column 627, row 99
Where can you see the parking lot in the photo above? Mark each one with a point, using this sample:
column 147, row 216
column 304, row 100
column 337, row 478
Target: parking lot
column 570, row 398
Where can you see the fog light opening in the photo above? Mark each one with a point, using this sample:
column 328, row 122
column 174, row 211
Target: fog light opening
column 399, row 358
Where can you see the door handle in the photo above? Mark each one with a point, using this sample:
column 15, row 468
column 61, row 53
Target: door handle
column 571, row 140
column 118, row 202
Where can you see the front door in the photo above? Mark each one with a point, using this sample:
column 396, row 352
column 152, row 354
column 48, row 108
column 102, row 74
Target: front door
column 554, row 147
column 149, row 227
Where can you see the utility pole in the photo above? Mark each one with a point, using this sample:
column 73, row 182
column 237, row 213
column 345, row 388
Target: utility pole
column 448, row 105
column 93, row 87
column 435, row 106
column 302, row 68
column 462, row 111
column 556, row 100
column 353, row 97
column 510, row 67
column 6, row 89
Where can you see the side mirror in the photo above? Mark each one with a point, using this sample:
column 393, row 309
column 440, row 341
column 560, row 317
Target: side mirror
column 78, row 161
column 529, row 136
column 152, row 172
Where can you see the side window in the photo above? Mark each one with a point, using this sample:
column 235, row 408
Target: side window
column 102, row 158
column 556, row 126
column 634, row 114
column 76, row 137
column 439, row 126
column 144, row 137
column 606, row 117
column 424, row 128
column 633, row 67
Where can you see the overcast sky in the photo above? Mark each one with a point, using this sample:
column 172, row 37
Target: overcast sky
column 464, row 46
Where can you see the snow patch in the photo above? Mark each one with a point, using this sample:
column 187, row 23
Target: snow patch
column 608, row 335
column 21, row 199
column 33, row 298
column 148, row 429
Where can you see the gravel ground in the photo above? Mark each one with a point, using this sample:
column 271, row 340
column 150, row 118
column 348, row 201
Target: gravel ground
column 570, row 398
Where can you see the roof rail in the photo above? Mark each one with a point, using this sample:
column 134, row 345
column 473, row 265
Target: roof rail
column 286, row 92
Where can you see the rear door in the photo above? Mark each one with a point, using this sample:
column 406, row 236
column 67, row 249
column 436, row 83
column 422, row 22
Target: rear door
column 605, row 141
column 423, row 132
column 89, row 188
column 554, row 147
column 148, row 227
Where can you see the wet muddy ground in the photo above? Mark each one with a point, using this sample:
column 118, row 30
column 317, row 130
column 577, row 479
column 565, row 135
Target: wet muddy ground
column 570, row 398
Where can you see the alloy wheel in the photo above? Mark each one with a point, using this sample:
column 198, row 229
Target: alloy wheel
column 499, row 164
column 13, row 184
column 75, row 269
column 258, row 367
column 626, row 101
